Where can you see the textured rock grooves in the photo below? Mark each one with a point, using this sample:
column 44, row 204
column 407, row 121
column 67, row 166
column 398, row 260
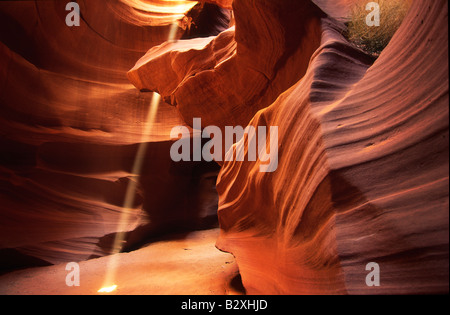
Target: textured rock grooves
column 363, row 145
column 362, row 177
column 363, row 149
column 239, row 72
column 70, row 126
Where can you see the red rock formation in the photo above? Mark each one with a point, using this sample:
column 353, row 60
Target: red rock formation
column 268, row 54
column 362, row 177
column 338, row 9
column 363, row 149
column 227, row 4
column 363, row 161
column 70, row 126
column 205, row 20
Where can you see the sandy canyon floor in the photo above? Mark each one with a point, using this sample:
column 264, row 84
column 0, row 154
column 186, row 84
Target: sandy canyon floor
column 184, row 265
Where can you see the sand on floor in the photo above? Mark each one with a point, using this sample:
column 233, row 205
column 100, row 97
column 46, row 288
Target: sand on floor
column 185, row 265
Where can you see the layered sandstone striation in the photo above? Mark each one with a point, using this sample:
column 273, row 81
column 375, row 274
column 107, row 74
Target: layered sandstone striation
column 70, row 127
column 363, row 172
column 363, row 146
column 227, row 79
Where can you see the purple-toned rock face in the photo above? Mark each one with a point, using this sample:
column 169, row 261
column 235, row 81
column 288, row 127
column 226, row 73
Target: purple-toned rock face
column 360, row 193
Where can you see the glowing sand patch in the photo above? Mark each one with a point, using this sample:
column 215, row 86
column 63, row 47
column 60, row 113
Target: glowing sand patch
column 108, row 289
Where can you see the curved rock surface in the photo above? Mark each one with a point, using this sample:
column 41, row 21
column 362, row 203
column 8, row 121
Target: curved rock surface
column 363, row 148
column 362, row 176
column 227, row 4
column 70, row 127
column 245, row 71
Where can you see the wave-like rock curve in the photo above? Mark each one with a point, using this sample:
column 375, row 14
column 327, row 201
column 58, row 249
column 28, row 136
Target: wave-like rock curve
column 70, row 127
column 362, row 176
column 363, row 162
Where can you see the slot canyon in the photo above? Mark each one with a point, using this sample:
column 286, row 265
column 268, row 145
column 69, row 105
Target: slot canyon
column 90, row 112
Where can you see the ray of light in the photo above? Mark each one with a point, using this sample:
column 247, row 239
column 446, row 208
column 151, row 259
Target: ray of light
column 109, row 283
column 130, row 196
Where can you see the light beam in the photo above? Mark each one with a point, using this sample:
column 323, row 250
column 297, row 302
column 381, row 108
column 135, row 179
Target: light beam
column 109, row 285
